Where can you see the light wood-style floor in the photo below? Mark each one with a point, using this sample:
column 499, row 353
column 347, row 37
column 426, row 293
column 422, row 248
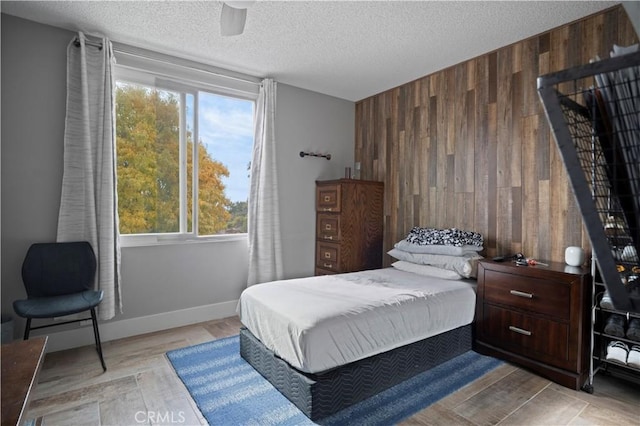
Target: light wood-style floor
column 140, row 387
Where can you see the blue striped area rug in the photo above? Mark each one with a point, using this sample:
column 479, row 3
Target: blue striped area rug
column 229, row 391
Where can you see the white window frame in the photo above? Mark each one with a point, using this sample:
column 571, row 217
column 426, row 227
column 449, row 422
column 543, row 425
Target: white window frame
column 156, row 71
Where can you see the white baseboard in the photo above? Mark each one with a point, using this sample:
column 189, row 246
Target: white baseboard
column 112, row 330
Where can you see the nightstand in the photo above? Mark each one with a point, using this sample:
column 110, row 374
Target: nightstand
column 537, row 317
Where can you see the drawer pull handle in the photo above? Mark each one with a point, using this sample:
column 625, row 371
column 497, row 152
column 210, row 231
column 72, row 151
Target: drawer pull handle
column 327, row 209
column 521, row 294
column 327, row 227
column 519, row 330
column 327, row 265
column 327, row 237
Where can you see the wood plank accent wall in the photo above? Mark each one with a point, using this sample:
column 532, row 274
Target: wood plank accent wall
column 470, row 147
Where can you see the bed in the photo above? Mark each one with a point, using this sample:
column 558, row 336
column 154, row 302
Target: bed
column 328, row 342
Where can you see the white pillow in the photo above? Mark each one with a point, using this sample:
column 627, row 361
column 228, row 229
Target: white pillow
column 465, row 265
column 623, row 50
column 426, row 270
column 405, row 245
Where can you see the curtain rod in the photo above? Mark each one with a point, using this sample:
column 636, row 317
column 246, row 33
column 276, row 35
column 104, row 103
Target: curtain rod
column 174, row 60
column 159, row 57
column 97, row 44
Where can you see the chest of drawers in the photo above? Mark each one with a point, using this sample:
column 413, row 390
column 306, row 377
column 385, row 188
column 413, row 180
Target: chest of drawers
column 536, row 316
column 349, row 223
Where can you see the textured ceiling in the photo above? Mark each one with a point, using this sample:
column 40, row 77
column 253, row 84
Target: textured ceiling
column 347, row 49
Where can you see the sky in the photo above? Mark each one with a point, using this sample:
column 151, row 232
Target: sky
column 226, row 129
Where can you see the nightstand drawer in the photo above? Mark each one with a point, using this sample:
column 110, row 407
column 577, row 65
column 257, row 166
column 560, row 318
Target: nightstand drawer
column 328, row 256
column 552, row 298
column 328, row 227
column 328, row 198
column 546, row 340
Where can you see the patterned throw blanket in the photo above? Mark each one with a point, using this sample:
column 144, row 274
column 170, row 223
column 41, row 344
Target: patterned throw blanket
column 451, row 237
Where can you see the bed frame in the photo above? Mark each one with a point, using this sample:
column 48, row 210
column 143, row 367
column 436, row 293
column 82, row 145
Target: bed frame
column 320, row 395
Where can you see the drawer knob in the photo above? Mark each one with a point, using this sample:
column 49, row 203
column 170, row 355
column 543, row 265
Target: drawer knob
column 519, row 330
column 327, row 227
column 327, row 255
column 521, row 294
column 327, row 198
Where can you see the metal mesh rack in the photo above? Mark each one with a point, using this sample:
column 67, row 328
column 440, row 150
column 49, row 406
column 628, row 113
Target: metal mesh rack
column 594, row 113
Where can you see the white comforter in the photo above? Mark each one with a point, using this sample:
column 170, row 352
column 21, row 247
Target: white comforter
column 319, row 323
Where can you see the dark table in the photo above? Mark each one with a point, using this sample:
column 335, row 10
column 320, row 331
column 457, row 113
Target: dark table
column 21, row 363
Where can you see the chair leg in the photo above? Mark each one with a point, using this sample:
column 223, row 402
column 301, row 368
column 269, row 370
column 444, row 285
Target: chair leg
column 27, row 329
column 96, row 334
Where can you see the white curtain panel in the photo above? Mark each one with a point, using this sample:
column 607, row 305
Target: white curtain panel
column 265, row 244
column 88, row 206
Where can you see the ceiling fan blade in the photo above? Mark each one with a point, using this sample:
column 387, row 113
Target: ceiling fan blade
column 232, row 20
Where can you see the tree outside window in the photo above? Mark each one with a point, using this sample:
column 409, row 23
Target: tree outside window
column 155, row 136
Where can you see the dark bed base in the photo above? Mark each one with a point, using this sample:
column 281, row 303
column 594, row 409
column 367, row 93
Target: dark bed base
column 319, row 395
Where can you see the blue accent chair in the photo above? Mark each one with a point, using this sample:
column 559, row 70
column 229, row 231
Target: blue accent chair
column 59, row 280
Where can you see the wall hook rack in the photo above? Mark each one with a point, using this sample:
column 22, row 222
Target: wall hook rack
column 315, row 154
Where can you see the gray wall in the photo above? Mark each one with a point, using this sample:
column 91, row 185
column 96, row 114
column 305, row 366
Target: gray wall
column 163, row 278
column 308, row 121
column 633, row 11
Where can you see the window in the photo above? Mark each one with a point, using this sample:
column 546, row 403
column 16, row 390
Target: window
column 183, row 153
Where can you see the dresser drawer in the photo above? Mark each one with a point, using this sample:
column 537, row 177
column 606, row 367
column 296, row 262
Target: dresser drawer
column 328, row 227
column 552, row 298
column 328, row 256
column 320, row 271
column 543, row 339
column 328, row 198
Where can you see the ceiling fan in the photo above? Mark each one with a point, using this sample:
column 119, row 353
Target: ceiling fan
column 233, row 17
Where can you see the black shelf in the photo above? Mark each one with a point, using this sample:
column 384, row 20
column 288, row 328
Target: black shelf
column 617, row 364
column 622, row 339
column 615, row 311
column 616, row 369
column 601, row 339
column 593, row 112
